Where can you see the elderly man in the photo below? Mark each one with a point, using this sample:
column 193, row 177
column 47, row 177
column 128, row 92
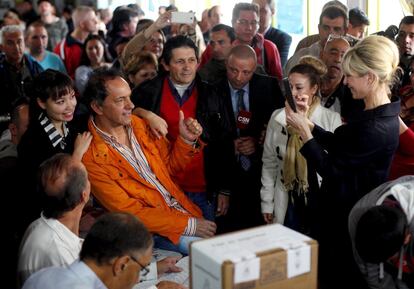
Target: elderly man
column 281, row 39
column 250, row 99
column 131, row 170
column 53, row 239
column 16, row 69
column 333, row 20
column 36, row 40
column 116, row 251
column 334, row 94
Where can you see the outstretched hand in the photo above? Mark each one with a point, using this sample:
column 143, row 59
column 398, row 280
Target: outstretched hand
column 189, row 128
column 163, row 20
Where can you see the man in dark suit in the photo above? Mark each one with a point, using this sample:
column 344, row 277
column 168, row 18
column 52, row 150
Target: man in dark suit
column 281, row 39
column 249, row 100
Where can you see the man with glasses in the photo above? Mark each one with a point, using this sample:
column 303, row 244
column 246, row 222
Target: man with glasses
column 245, row 22
column 333, row 20
column 115, row 253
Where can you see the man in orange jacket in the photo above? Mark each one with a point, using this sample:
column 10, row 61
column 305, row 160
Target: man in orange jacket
column 130, row 170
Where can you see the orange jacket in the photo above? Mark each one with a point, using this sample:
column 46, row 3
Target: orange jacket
column 118, row 187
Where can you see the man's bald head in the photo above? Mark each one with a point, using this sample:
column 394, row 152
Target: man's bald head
column 243, row 52
column 62, row 182
column 240, row 65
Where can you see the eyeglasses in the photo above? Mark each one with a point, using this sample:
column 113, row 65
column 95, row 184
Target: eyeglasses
column 351, row 40
column 244, row 22
column 144, row 269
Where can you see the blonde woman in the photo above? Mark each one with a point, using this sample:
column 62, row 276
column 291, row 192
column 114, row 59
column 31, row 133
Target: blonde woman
column 356, row 157
column 287, row 181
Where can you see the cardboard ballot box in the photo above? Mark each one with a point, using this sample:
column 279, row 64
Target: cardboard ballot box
column 265, row 257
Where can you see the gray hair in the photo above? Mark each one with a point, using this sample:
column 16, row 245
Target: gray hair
column 10, row 29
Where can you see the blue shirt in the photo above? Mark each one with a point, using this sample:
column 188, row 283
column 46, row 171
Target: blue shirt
column 78, row 275
column 52, row 61
column 235, row 98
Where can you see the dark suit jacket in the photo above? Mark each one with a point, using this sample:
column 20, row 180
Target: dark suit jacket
column 282, row 40
column 209, row 113
column 264, row 97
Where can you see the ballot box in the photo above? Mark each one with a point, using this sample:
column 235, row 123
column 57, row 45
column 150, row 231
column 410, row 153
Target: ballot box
column 265, row 257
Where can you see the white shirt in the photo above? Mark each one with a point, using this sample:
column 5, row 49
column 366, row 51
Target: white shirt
column 47, row 242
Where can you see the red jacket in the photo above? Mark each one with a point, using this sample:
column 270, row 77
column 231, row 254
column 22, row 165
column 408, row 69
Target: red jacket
column 403, row 162
column 118, row 187
column 70, row 51
column 271, row 64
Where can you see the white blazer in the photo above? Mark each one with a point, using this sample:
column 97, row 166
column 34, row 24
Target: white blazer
column 273, row 194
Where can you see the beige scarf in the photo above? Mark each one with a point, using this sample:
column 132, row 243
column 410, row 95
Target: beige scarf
column 295, row 172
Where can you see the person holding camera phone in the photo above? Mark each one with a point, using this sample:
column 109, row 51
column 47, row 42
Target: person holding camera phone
column 355, row 158
column 287, row 179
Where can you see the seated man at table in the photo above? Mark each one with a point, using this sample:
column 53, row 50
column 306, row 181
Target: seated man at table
column 131, row 170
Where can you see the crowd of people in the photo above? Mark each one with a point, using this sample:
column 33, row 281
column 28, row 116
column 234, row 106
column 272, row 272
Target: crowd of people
column 121, row 134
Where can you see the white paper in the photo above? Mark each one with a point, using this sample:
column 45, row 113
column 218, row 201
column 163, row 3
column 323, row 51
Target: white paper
column 180, row 277
column 298, row 260
column 247, row 270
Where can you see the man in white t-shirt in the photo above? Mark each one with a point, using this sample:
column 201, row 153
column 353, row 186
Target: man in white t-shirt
column 53, row 239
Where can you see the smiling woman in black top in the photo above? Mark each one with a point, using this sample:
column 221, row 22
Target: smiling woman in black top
column 52, row 107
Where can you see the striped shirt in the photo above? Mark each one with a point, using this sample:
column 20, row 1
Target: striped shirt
column 136, row 158
column 55, row 137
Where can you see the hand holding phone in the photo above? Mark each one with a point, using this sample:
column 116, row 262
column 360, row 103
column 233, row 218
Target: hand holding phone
column 288, row 94
column 182, row 17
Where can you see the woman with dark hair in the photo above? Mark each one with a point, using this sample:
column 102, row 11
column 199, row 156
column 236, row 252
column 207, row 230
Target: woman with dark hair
column 288, row 182
column 51, row 110
column 95, row 54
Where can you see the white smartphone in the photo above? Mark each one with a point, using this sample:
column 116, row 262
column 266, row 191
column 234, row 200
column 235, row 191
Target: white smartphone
column 182, row 17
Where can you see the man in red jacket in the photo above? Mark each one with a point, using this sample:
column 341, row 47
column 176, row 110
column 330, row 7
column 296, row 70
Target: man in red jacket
column 245, row 22
column 70, row 48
